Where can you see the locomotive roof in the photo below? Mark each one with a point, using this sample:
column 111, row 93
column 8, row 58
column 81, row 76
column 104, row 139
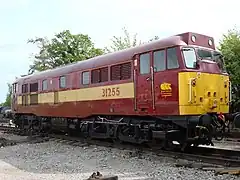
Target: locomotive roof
column 110, row 58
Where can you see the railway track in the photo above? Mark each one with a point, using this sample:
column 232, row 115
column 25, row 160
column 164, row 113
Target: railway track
column 226, row 158
column 9, row 129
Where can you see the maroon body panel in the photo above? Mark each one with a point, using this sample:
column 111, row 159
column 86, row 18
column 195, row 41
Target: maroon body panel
column 87, row 108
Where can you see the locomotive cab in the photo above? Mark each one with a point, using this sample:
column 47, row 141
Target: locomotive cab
column 184, row 83
column 204, row 85
column 194, row 56
column 205, row 80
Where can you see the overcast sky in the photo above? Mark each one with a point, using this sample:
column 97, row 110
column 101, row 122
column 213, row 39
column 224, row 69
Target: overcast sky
column 24, row 19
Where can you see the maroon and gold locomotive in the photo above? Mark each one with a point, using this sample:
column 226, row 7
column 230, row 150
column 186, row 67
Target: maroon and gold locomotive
column 174, row 89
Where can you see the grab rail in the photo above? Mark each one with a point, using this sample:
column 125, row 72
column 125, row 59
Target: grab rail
column 190, row 89
column 230, row 91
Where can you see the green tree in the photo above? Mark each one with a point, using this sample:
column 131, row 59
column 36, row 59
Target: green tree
column 122, row 42
column 125, row 41
column 230, row 48
column 63, row 49
column 8, row 96
column 155, row 38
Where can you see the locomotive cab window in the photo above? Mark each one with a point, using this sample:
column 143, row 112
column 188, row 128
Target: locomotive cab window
column 172, row 60
column 145, row 63
column 190, row 57
column 219, row 59
column 62, row 83
column 159, row 61
column 204, row 54
column 85, row 78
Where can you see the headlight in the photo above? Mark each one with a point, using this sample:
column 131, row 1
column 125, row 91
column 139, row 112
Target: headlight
column 210, row 42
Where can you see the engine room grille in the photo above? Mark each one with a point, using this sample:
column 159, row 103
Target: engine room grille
column 121, row 71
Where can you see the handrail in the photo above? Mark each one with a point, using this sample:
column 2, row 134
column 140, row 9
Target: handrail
column 152, row 87
column 230, row 91
column 190, row 89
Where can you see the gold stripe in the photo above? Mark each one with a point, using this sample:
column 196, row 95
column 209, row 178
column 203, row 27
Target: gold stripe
column 119, row 91
column 46, row 97
column 19, row 100
column 98, row 93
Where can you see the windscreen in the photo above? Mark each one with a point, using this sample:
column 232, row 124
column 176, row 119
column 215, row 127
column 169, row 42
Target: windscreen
column 214, row 56
column 218, row 58
column 204, row 54
column 189, row 57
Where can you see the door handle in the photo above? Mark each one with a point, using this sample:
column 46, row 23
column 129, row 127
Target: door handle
column 148, row 79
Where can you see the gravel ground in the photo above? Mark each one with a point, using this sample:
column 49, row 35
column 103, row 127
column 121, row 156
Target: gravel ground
column 53, row 160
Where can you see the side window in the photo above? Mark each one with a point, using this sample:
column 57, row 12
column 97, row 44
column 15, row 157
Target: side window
column 34, row 87
column 159, row 60
column 99, row 75
column 14, row 88
column 24, row 88
column 172, row 60
column 62, row 83
column 95, row 76
column 85, row 78
column 44, row 85
column 104, row 74
column 145, row 63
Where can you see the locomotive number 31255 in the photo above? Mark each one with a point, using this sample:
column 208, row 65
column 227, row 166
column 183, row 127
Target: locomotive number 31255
column 107, row 92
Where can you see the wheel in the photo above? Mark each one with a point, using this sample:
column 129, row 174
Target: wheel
column 168, row 145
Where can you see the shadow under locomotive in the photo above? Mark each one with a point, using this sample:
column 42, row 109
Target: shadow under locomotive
column 154, row 131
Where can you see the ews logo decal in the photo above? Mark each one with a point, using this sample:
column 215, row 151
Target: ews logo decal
column 166, row 89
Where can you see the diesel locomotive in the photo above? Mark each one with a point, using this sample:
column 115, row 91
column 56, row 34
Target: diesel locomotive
column 170, row 90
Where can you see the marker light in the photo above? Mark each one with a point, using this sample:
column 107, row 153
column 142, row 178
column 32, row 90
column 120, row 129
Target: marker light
column 193, row 38
column 210, row 42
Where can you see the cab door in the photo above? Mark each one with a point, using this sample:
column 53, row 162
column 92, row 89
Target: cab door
column 144, row 78
column 166, row 67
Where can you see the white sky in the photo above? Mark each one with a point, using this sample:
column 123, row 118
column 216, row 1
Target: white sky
column 24, row 19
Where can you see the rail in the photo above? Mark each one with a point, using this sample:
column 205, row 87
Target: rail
column 226, row 158
column 229, row 158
